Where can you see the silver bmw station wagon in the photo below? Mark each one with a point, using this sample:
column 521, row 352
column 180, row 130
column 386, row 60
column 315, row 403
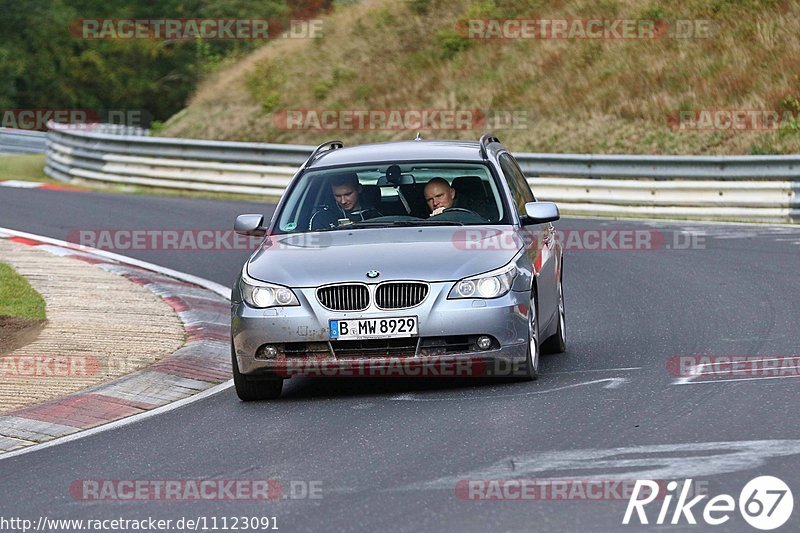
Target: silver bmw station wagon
column 418, row 258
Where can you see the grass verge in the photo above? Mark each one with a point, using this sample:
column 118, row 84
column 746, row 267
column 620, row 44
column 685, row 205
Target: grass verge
column 24, row 167
column 575, row 95
column 17, row 297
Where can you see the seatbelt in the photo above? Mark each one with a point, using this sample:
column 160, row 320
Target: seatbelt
column 403, row 200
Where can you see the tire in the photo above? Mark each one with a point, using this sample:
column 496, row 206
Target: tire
column 531, row 370
column 249, row 390
column 557, row 343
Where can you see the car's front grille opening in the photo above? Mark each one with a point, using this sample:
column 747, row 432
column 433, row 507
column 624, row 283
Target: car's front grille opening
column 356, row 349
column 400, row 295
column 404, row 347
column 293, row 349
column 447, row 345
column 346, row 297
column 306, row 349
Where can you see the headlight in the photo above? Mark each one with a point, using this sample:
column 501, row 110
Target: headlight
column 490, row 285
column 259, row 294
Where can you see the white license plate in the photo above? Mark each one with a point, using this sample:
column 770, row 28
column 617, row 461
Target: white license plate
column 373, row 328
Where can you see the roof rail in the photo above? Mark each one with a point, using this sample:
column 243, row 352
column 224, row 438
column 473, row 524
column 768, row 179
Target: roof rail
column 486, row 140
column 319, row 150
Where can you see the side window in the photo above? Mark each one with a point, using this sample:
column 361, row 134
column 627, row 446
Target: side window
column 517, row 183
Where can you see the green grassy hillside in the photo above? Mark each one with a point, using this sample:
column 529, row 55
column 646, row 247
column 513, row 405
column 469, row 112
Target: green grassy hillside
column 602, row 96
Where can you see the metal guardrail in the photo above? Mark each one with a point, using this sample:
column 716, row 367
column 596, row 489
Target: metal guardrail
column 722, row 167
column 117, row 129
column 186, row 164
column 747, row 188
column 14, row 141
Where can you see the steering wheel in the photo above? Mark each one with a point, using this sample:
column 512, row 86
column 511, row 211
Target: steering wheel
column 322, row 219
column 460, row 210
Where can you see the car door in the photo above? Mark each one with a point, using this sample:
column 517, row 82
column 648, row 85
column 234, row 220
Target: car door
column 540, row 242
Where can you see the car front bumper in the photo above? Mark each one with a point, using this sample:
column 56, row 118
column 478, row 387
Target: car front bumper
column 444, row 345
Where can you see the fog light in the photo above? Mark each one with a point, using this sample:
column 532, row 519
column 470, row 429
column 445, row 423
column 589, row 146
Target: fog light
column 268, row 351
column 484, row 342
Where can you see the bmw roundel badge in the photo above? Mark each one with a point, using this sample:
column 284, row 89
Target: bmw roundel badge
column 372, row 274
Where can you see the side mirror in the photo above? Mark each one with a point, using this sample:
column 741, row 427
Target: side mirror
column 250, row 225
column 540, row 212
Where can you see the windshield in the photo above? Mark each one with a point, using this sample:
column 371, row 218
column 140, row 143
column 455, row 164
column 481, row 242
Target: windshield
column 389, row 195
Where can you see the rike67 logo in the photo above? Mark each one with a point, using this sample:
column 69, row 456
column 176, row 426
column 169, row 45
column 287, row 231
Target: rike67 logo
column 765, row 503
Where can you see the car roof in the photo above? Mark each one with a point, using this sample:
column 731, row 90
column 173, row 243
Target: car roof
column 399, row 151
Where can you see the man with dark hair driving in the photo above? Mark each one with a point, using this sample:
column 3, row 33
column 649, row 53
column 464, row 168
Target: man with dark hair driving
column 346, row 191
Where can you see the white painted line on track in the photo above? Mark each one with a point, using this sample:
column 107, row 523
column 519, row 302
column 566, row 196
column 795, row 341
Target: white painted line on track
column 681, row 381
column 21, row 184
column 699, row 371
column 620, row 369
column 611, row 383
column 795, row 358
column 649, row 461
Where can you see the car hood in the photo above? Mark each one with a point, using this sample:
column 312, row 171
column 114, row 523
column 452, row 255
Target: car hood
column 425, row 253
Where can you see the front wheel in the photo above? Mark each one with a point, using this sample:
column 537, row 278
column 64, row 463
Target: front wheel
column 531, row 370
column 249, row 390
column 557, row 343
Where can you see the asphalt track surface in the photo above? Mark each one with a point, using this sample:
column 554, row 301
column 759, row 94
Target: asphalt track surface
column 389, row 453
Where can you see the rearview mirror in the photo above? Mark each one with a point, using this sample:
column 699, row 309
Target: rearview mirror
column 250, row 225
column 394, row 181
column 540, row 212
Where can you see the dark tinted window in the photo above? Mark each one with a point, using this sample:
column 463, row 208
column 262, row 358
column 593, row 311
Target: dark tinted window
column 517, row 183
column 311, row 205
